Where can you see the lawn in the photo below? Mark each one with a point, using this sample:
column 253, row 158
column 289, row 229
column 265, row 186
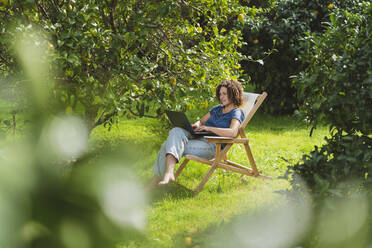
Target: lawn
column 176, row 218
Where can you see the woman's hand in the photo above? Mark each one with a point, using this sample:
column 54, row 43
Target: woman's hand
column 201, row 122
column 202, row 128
column 224, row 132
column 196, row 125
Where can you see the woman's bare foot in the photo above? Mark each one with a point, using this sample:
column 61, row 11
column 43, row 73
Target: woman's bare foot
column 167, row 178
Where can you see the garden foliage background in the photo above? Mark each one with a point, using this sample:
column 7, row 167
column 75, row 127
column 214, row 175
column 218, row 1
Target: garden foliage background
column 103, row 61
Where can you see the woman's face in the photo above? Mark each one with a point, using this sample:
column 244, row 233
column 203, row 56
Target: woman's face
column 224, row 97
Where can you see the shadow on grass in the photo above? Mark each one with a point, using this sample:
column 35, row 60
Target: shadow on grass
column 173, row 190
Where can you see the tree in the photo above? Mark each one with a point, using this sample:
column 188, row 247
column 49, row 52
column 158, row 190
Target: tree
column 111, row 58
column 336, row 89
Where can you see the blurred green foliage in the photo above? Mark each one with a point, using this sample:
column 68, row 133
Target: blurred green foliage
column 45, row 204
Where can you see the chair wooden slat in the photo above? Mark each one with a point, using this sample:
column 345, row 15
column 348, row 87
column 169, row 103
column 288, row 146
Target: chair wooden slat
column 227, row 166
column 226, row 140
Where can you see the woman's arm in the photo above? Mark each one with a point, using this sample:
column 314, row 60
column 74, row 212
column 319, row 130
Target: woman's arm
column 225, row 132
column 202, row 121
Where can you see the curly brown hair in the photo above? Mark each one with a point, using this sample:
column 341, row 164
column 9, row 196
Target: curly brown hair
column 234, row 91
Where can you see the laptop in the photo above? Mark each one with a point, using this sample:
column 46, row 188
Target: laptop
column 179, row 119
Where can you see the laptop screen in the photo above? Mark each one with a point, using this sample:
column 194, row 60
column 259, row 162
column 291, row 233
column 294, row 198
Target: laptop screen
column 179, row 119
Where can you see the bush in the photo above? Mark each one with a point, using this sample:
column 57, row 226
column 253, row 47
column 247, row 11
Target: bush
column 338, row 176
column 342, row 159
column 336, row 88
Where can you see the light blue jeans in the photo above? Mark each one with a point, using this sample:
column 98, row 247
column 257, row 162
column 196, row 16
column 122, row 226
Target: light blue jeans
column 180, row 143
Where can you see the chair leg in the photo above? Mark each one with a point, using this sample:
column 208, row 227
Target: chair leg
column 205, row 178
column 181, row 167
column 212, row 169
column 251, row 159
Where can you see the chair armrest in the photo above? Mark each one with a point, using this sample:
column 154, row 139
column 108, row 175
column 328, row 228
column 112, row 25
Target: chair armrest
column 225, row 140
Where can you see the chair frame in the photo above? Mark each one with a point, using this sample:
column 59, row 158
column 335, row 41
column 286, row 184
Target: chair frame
column 217, row 162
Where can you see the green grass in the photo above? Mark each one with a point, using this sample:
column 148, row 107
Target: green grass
column 174, row 213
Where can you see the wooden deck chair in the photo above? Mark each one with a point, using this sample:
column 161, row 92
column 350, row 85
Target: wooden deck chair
column 251, row 103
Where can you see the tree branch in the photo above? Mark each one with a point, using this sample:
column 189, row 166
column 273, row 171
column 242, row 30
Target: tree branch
column 42, row 10
column 150, row 116
column 61, row 3
column 103, row 118
column 112, row 14
column 104, row 18
column 3, row 59
column 190, row 5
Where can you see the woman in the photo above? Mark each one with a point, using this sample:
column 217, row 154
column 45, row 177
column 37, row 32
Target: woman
column 223, row 120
